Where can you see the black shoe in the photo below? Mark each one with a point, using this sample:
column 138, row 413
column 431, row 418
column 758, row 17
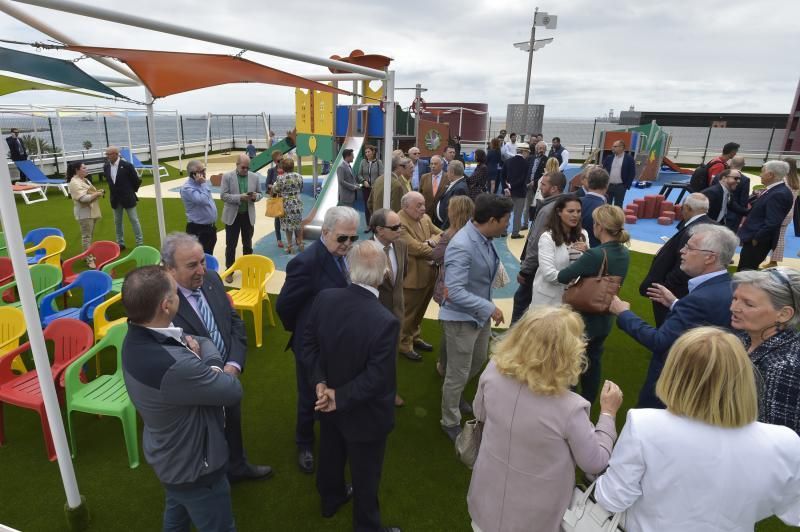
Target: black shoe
column 390, row 529
column 452, row 432
column 516, row 235
column 465, row 407
column 305, row 460
column 412, row 355
column 422, row 345
column 504, row 235
column 348, row 494
column 366, row 230
column 251, row 472
column 122, row 247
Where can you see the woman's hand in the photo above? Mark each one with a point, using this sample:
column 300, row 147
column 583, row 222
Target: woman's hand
column 610, row 399
column 580, row 245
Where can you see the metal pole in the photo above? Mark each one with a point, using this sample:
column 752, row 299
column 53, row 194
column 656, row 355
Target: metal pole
column 183, row 137
column 705, row 150
column 460, row 121
column 178, row 130
column 489, row 131
column 233, row 135
column 151, row 134
column 39, row 144
column 528, row 79
column 594, row 128
column 388, row 138
column 128, row 126
column 315, row 175
column 208, row 137
column 105, row 127
column 769, row 145
column 147, row 121
column 417, row 101
column 53, row 141
column 61, row 138
column 266, row 127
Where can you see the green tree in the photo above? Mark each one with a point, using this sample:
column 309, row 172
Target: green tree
column 29, row 141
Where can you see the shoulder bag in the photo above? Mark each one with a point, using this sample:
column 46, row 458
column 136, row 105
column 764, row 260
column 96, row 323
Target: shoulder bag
column 593, row 295
column 275, row 208
column 585, row 515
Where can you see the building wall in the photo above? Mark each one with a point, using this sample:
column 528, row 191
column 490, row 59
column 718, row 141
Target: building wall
column 791, row 141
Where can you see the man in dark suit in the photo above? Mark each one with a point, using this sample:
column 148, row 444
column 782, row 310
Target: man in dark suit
column 704, row 258
column 354, row 374
column 457, row 186
column 536, row 164
column 666, row 267
column 759, row 233
column 421, row 167
column 621, row 170
column 16, row 150
column 516, row 173
column 347, row 180
column 123, row 182
column 720, row 196
column 597, row 183
column 741, row 195
column 204, row 310
column 322, row 265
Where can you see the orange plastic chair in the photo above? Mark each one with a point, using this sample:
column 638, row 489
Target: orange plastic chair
column 53, row 247
column 256, row 271
column 12, row 328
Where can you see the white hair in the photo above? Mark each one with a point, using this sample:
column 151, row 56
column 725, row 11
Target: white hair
column 719, row 239
column 779, row 168
column 697, row 202
column 782, row 285
column 367, row 263
column 408, row 196
column 172, row 242
column 337, row 215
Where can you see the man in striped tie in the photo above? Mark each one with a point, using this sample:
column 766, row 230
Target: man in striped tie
column 204, row 310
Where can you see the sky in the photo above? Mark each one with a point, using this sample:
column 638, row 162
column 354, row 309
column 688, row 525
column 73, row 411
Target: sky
column 693, row 56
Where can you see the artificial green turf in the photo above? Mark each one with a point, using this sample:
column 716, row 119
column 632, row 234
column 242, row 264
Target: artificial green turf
column 424, row 486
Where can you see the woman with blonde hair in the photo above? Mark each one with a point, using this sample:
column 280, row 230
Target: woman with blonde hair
column 535, row 430
column 609, row 229
column 704, row 463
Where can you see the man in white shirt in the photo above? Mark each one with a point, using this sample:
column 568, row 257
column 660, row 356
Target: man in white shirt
column 509, row 149
column 559, row 152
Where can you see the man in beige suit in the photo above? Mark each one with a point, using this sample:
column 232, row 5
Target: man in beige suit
column 420, row 235
column 240, row 191
column 401, row 171
column 433, row 184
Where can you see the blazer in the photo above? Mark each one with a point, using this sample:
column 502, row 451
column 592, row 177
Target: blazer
column 516, row 172
column 547, row 291
column 230, row 192
column 347, row 184
column 16, row 148
column 672, row 473
column 307, row 274
column 628, row 172
column 458, row 187
column 423, row 167
column 589, row 203
column 714, row 193
column 741, row 195
column 78, row 188
column 398, row 188
column 525, row 471
column 370, row 173
column 123, row 190
column 426, row 189
column 764, row 221
column 390, row 291
column 708, row 304
column 229, row 324
column 420, row 272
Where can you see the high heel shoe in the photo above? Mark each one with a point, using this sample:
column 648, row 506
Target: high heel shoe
column 288, row 249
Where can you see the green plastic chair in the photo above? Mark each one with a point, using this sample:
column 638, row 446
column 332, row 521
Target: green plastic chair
column 140, row 256
column 3, row 246
column 45, row 279
column 106, row 395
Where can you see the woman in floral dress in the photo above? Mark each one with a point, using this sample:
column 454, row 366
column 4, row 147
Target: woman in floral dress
column 289, row 186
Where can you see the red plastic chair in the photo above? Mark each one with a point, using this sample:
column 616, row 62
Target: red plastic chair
column 6, row 270
column 104, row 251
column 70, row 338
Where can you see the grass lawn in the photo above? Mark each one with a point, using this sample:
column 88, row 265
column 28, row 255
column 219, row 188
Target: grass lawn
column 424, row 486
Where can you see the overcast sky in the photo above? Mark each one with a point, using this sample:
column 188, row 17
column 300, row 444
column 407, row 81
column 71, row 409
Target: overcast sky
column 700, row 55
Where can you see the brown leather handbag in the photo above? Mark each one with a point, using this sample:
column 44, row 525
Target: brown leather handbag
column 593, row 295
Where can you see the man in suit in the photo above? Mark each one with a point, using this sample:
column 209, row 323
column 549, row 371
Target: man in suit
column 596, row 195
column 559, row 152
column 16, row 150
column 347, row 180
column 420, row 236
column 759, row 232
column 471, row 262
column 516, row 172
column 123, row 182
column 665, row 269
column 204, row 310
column 536, row 165
column 401, row 169
column 354, row 375
column 433, row 184
column 720, row 196
column 741, row 195
column 420, row 168
column 621, row 170
column 704, row 259
column 321, row 265
column 449, row 156
column 239, row 192
column 456, row 186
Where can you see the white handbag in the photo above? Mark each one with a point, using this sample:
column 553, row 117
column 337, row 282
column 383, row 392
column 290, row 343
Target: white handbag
column 585, row 515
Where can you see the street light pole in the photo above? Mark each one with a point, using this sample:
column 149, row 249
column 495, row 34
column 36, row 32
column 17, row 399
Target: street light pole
column 539, row 19
column 528, row 77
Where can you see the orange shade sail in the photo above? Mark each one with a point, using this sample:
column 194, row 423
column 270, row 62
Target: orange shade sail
column 167, row 73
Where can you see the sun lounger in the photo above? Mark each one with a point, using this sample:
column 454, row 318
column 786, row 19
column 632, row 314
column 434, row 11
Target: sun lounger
column 39, row 179
column 29, row 193
column 129, row 156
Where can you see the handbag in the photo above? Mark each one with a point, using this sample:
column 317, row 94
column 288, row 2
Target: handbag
column 585, row 515
column 468, row 442
column 593, row 295
column 275, row 208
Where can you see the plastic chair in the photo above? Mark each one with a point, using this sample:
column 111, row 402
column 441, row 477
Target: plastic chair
column 6, row 270
column 3, row 246
column 256, row 271
column 38, row 178
column 12, row 328
column 51, row 248
column 212, row 263
column 35, row 237
column 95, row 285
column 71, row 338
column 104, row 251
column 106, row 395
column 102, row 324
column 140, row 168
column 45, row 279
column 140, row 256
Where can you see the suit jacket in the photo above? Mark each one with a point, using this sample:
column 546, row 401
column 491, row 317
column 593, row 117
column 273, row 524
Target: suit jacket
column 708, row 304
column 714, row 193
column 356, row 361
column 628, row 172
column 666, row 266
column 741, row 195
column 391, row 290
column 123, row 190
column 307, row 274
column 426, row 189
column 589, row 203
column 347, row 184
column 16, row 149
column 420, row 274
column 539, row 169
column 229, row 192
column 517, row 172
column 423, row 167
column 764, row 221
column 370, row 173
column 229, row 324
column 455, row 188
column 398, row 187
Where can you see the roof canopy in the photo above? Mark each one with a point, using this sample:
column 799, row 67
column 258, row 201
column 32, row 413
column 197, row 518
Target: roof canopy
column 167, row 73
column 10, row 84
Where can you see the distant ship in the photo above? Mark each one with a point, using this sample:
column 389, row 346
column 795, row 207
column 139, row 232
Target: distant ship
column 86, row 119
column 610, row 117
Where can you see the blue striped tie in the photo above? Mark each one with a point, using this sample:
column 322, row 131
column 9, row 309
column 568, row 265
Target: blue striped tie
column 208, row 321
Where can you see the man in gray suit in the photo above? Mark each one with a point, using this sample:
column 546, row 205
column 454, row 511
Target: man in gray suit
column 240, row 191
column 471, row 262
column 347, row 180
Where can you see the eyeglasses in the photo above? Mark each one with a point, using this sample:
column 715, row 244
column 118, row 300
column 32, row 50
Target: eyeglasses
column 393, row 227
column 687, row 247
column 344, row 238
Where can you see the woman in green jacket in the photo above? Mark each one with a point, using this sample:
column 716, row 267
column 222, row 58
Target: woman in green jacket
column 609, row 228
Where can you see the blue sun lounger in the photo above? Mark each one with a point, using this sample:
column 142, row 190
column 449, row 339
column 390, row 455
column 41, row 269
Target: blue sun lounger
column 129, row 156
column 39, row 179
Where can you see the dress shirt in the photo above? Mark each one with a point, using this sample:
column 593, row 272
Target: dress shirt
column 176, row 333
column 694, row 282
column 509, row 150
column 372, row 289
column 113, row 167
column 190, row 297
column 726, row 196
column 200, row 206
column 615, row 175
column 392, row 255
column 693, row 218
column 415, row 177
column 605, row 200
column 564, row 160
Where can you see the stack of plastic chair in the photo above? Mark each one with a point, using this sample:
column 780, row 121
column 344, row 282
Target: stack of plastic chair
column 94, row 286
column 106, row 395
column 48, row 251
column 103, row 251
column 45, row 279
column 35, row 237
column 102, row 324
column 140, row 256
column 256, row 271
column 12, row 328
column 70, row 339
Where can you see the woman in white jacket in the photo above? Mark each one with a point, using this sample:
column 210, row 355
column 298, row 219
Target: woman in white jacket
column 561, row 244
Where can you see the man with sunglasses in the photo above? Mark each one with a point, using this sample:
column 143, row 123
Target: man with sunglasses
column 201, row 211
column 240, row 191
column 321, row 265
column 720, row 196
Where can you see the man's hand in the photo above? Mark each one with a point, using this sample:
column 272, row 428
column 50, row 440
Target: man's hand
column 618, row 306
column 661, row 295
column 192, row 344
column 521, row 279
column 230, row 369
column 366, row 184
column 244, row 197
column 326, row 398
column 497, row 316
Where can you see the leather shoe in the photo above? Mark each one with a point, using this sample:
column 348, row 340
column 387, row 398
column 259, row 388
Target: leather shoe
column 452, row 432
column 412, row 355
column 465, row 407
column 305, row 459
column 517, row 235
column 251, row 472
column 348, row 494
column 422, row 345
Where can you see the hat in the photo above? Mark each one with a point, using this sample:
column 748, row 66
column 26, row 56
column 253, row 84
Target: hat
column 523, row 146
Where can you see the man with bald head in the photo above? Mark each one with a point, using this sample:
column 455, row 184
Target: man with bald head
column 123, row 183
column 433, row 184
column 420, row 167
column 240, row 191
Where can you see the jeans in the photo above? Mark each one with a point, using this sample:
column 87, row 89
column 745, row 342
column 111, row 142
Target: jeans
column 241, row 224
column 590, row 380
column 133, row 216
column 278, row 229
column 467, row 349
column 208, row 508
column 616, row 194
column 87, row 231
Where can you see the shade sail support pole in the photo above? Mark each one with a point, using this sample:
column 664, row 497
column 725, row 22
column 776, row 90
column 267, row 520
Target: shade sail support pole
column 151, row 126
column 388, row 138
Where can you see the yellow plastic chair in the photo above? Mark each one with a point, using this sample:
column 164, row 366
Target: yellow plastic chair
column 12, row 327
column 53, row 247
column 256, row 271
column 102, row 324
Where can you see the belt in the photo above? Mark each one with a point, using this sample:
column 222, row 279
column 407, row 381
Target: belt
column 203, row 225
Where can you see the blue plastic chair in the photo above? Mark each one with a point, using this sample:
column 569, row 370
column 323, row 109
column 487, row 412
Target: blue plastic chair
column 38, row 178
column 35, row 237
column 212, row 263
column 94, row 285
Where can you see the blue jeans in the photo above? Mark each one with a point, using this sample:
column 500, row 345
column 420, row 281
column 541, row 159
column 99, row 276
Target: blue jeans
column 207, row 507
column 134, row 219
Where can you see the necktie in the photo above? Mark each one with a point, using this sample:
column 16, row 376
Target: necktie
column 208, row 322
column 343, row 267
column 435, row 183
column 724, row 210
column 389, row 269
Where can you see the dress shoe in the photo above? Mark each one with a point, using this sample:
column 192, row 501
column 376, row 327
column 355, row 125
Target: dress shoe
column 422, row 345
column 398, row 401
column 452, row 432
column 504, row 235
column 465, row 407
column 348, row 494
column 412, row 355
column 305, row 459
column 517, row 235
column 250, row 472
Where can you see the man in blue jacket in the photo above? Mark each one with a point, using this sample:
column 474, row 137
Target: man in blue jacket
column 597, row 186
column 621, row 170
column 704, row 258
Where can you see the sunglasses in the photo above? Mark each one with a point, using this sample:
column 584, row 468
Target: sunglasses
column 392, row 227
column 344, row 238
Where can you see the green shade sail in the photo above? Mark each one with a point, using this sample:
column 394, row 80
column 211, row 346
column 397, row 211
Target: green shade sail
column 10, row 85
